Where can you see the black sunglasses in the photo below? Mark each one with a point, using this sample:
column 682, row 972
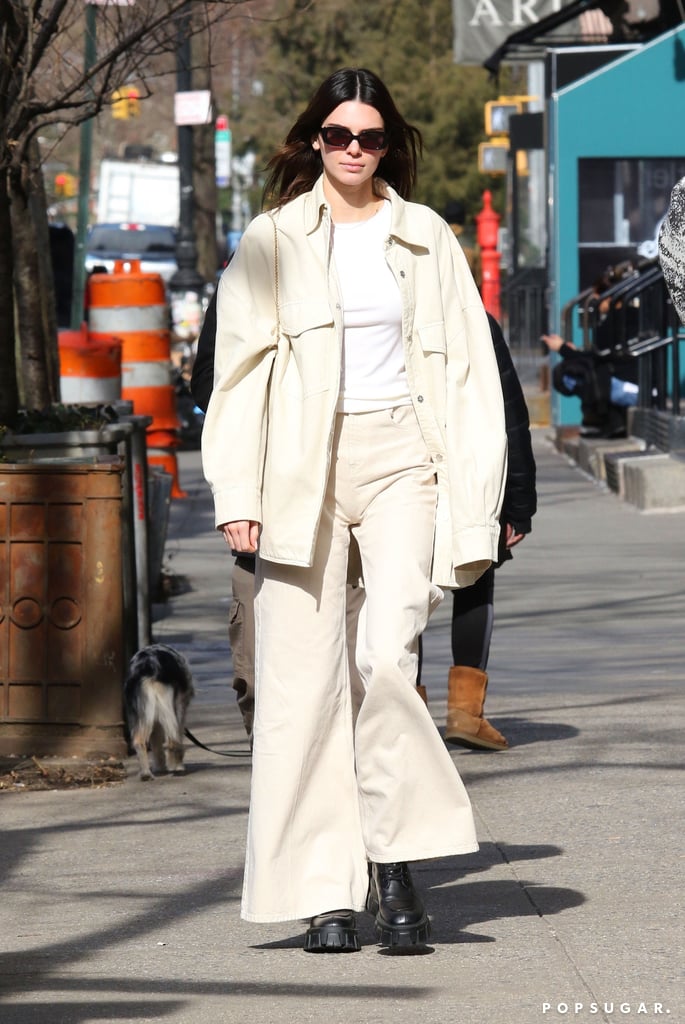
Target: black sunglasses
column 372, row 140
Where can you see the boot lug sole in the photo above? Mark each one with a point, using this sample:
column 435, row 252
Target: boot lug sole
column 403, row 935
column 398, row 935
column 331, row 940
column 462, row 739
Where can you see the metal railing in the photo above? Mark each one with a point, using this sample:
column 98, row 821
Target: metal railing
column 634, row 318
column 640, row 322
column 525, row 302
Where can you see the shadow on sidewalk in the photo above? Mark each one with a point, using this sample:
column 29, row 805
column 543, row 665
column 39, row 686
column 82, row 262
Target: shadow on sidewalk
column 456, row 904
column 520, row 732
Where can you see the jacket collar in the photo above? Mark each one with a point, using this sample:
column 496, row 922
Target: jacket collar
column 315, row 204
column 401, row 226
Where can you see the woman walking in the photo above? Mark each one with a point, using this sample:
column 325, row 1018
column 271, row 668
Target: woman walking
column 356, row 395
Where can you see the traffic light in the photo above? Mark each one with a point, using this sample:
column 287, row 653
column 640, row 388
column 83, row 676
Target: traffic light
column 119, row 105
column 65, row 185
column 126, row 103
column 133, row 97
column 498, row 112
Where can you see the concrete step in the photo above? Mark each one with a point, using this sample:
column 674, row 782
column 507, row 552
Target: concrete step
column 641, row 475
column 656, row 483
column 592, row 452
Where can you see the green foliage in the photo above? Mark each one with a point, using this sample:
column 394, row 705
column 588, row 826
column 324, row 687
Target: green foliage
column 409, row 44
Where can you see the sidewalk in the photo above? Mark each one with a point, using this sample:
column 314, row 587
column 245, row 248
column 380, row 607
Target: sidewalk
column 121, row 904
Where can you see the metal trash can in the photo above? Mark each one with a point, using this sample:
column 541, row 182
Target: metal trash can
column 61, row 609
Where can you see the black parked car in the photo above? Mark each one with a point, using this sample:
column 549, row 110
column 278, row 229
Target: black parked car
column 153, row 244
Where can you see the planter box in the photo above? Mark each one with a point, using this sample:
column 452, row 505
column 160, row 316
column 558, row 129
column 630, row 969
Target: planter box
column 61, row 609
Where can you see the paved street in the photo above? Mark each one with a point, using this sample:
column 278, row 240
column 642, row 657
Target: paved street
column 120, row 904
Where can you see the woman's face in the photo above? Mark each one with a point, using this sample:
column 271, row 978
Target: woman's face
column 350, row 166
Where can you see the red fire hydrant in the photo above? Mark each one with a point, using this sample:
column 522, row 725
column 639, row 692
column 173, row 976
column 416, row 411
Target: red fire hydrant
column 487, row 234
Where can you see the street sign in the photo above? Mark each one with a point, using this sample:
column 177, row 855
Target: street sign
column 222, row 152
column 193, row 107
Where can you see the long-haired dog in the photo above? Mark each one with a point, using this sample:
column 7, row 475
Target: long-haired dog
column 157, row 692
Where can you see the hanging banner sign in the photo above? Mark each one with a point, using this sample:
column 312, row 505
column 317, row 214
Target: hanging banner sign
column 193, row 107
column 480, row 26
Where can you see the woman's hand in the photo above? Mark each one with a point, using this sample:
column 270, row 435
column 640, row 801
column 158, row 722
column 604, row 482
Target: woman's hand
column 241, row 535
column 512, row 538
column 554, row 342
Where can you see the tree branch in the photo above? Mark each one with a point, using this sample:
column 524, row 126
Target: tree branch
column 33, row 98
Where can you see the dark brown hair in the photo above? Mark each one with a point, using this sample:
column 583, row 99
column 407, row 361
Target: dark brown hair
column 295, row 166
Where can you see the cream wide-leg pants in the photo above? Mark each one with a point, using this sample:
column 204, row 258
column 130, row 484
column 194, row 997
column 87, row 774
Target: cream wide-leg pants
column 331, row 790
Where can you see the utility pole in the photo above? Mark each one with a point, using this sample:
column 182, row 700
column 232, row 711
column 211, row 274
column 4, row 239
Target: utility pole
column 79, row 285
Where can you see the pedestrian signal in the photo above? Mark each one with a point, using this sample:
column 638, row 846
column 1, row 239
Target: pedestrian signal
column 493, row 156
column 497, row 114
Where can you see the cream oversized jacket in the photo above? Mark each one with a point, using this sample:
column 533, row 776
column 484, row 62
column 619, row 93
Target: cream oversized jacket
column 266, row 442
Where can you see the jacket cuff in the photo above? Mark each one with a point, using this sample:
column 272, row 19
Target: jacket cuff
column 469, row 574
column 519, row 525
column 236, row 503
column 474, row 549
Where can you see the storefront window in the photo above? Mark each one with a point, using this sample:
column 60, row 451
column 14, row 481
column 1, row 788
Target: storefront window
column 621, row 206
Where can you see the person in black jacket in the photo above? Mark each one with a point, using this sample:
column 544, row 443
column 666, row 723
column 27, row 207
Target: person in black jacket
column 605, row 384
column 202, row 377
column 472, row 608
column 241, row 632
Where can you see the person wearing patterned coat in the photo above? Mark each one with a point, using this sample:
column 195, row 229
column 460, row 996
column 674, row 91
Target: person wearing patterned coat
column 672, row 248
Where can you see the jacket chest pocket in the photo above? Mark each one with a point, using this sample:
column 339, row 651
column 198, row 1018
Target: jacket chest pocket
column 312, row 350
column 433, row 338
column 433, row 370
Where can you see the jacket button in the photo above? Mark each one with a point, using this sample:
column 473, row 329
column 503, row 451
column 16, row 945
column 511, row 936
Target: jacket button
column 419, row 398
column 438, row 457
column 402, row 273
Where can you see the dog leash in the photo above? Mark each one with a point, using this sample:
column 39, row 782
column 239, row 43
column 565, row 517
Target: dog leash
column 221, row 753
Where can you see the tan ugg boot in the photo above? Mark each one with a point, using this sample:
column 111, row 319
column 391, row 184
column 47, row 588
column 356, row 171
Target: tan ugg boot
column 421, row 690
column 465, row 699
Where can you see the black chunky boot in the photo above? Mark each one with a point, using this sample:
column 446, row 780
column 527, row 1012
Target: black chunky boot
column 401, row 919
column 333, row 932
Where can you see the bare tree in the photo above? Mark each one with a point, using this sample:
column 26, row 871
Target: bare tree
column 44, row 84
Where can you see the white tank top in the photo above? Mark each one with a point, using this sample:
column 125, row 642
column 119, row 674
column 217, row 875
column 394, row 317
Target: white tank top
column 373, row 370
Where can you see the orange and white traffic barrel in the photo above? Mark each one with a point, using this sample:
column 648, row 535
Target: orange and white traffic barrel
column 132, row 305
column 89, row 369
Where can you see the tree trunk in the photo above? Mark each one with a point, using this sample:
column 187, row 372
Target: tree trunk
column 9, row 392
column 34, row 294
column 39, row 215
column 204, row 173
column 204, row 180
column 204, row 218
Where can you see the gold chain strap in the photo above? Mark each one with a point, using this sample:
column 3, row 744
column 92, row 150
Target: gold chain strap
column 276, row 281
